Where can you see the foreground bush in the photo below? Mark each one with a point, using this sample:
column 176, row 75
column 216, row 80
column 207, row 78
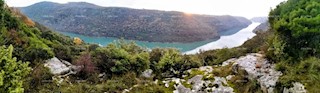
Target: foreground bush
column 120, row 58
column 12, row 72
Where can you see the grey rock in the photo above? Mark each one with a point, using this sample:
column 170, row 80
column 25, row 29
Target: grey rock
column 147, row 73
column 196, row 82
column 266, row 75
column 181, row 89
column 61, row 67
column 66, row 63
column 297, row 88
column 206, row 69
column 56, row 66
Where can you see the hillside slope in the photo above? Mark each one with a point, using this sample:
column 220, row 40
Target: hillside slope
column 31, row 40
column 135, row 24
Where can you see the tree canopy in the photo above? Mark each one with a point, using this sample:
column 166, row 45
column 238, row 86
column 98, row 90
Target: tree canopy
column 297, row 26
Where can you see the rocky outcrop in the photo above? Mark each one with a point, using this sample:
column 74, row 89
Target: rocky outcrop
column 61, row 67
column 258, row 68
column 221, row 78
column 199, row 84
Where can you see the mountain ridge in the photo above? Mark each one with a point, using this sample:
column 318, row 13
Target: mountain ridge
column 133, row 24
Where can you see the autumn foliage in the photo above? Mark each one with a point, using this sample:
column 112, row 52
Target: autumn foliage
column 77, row 41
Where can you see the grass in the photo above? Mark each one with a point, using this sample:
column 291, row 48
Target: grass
column 193, row 73
column 305, row 72
column 223, row 71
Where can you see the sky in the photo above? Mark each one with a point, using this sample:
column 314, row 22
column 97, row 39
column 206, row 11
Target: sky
column 245, row 8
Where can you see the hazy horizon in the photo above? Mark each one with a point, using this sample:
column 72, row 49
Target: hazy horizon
column 244, row 8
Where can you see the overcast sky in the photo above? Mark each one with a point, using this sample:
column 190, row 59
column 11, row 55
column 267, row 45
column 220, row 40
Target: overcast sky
column 245, row 8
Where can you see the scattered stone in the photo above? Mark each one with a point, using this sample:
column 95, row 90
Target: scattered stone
column 229, row 77
column 147, row 73
column 101, row 75
column 265, row 73
column 297, row 88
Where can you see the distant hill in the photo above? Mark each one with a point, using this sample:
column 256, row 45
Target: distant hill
column 259, row 19
column 135, row 24
column 262, row 27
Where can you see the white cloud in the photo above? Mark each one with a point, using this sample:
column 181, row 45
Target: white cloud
column 246, row 8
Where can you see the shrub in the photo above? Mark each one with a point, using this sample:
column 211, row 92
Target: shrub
column 119, row 58
column 12, row 72
column 88, row 67
column 216, row 57
column 305, row 71
column 39, row 76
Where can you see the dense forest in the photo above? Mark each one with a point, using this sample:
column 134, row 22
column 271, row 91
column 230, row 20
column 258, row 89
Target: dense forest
column 291, row 43
column 133, row 24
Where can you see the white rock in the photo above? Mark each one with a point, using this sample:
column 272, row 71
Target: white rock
column 147, row 73
column 297, row 88
column 230, row 61
column 266, row 75
column 196, row 82
column 229, row 77
column 206, row 69
column 56, row 66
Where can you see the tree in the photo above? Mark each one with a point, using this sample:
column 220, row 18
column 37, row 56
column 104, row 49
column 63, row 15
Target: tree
column 12, row 72
column 297, row 26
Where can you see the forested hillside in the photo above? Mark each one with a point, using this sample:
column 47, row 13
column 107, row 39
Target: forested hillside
column 134, row 24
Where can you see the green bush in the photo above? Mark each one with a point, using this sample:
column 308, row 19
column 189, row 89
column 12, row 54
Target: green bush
column 170, row 62
column 120, row 58
column 216, row 57
column 12, row 72
column 38, row 77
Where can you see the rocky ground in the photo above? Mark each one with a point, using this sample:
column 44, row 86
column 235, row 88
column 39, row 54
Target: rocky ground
column 256, row 67
column 252, row 70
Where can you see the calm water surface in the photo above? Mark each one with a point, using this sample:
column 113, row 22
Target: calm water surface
column 189, row 48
